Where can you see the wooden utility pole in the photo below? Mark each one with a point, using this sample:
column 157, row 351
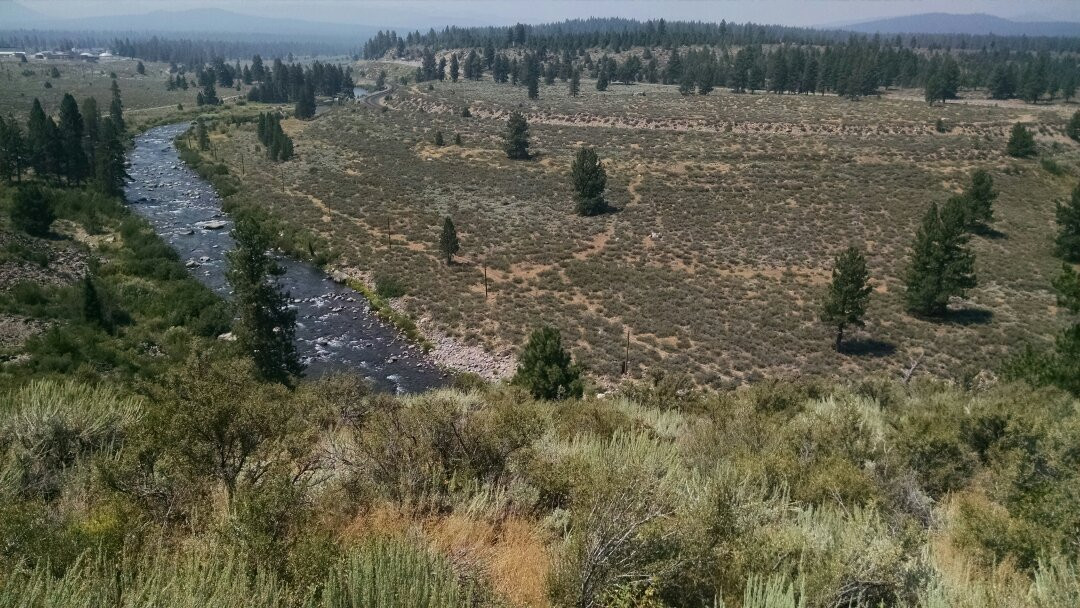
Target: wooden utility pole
column 283, row 179
column 485, row 283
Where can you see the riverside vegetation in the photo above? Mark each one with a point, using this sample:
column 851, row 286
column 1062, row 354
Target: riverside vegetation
column 144, row 462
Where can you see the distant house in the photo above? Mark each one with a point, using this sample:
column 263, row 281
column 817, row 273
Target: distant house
column 54, row 55
column 11, row 52
column 88, row 57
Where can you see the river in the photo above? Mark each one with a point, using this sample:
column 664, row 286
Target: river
column 336, row 329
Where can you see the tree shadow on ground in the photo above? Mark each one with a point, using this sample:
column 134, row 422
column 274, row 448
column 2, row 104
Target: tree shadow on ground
column 990, row 233
column 968, row 316
column 867, row 347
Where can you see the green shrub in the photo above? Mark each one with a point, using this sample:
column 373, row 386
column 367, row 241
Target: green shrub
column 389, row 286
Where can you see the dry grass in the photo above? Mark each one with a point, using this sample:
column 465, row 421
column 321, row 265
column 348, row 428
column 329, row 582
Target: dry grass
column 730, row 210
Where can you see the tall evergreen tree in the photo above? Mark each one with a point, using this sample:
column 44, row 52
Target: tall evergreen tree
column 848, row 295
column 516, row 138
column 116, row 109
column 74, row 162
column 1021, row 142
column 91, row 119
column 266, row 326
column 448, row 241
column 37, row 140
column 305, row 105
column 202, row 135
column 546, row 370
column 590, row 180
column 1068, row 220
column 575, row 83
column 455, row 67
column 941, row 264
column 980, row 195
column 109, row 171
column 13, row 152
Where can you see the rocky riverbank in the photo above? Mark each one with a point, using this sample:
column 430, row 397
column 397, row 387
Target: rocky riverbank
column 447, row 352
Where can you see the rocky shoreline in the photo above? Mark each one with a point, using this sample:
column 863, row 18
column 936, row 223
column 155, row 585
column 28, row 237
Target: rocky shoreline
column 447, row 352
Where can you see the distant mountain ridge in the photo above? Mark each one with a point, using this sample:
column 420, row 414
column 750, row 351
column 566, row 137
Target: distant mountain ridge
column 974, row 24
column 210, row 20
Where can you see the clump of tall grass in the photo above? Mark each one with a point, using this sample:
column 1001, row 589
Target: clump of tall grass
column 377, row 574
column 50, row 424
column 393, row 574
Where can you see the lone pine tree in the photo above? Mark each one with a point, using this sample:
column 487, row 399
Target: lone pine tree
column 516, row 139
column 941, row 264
column 980, row 195
column 848, row 294
column 546, row 370
column 590, row 179
column 448, row 241
column 1021, row 142
column 265, row 326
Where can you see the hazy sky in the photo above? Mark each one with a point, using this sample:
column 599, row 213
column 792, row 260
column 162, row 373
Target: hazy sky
column 424, row 13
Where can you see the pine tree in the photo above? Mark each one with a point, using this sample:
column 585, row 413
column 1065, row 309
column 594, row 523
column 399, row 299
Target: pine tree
column 31, row 210
column 94, row 311
column 455, row 67
column 457, row 139
column 1073, row 128
column 1068, row 220
column 532, row 76
column 202, row 135
column 75, row 165
column 1021, row 142
column 590, row 179
column 109, row 171
column 941, row 264
column 517, row 137
column 575, row 83
column 848, row 295
column 305, row 105
column 602, row 78
column 38, row 139
column 265, row 326
column 439, row 139
column 140, row 68
column 980, row 195
column 13, row 151
column 91, row 119
column 116, row 109
column 448, row 241
column 546, row 370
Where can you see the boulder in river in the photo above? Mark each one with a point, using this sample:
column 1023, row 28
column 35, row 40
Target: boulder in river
column 212, row 224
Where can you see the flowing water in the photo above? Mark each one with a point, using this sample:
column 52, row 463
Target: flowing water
column 336, row 328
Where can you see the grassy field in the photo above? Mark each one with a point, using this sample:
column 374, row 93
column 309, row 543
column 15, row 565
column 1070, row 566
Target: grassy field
column 146, row 98
column 730, row 209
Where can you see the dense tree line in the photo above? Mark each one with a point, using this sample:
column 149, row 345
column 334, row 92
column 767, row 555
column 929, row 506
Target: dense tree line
column 743, row 60
column 618, row 34
column 285, row 83
column 78, row 146
column 197, row 50
column 279, row 146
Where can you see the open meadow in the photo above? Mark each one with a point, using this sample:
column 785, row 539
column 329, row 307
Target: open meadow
column 729, row 210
